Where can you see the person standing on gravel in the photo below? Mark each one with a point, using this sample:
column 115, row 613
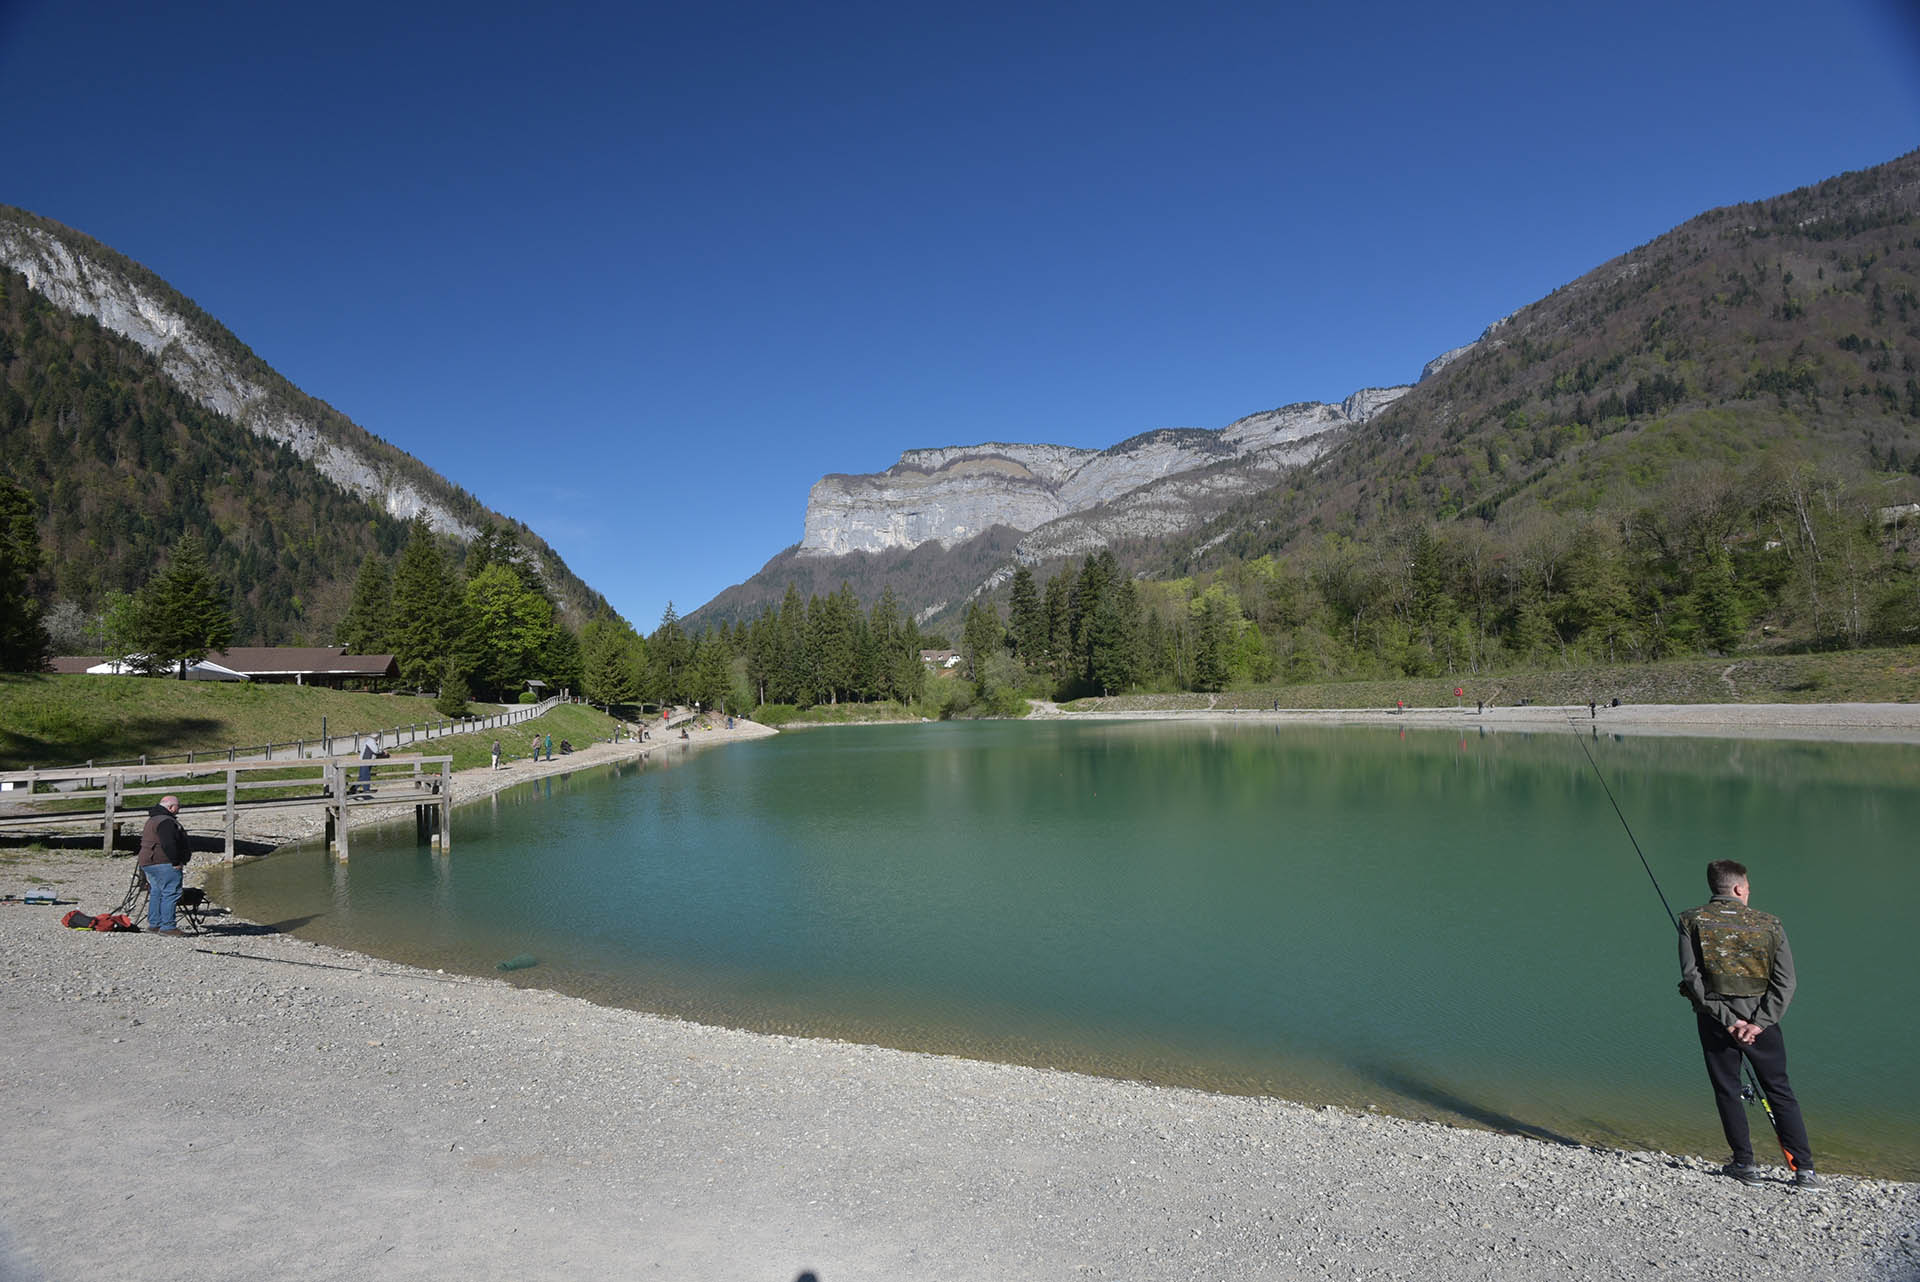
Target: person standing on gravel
column 496, row 755
column 1737, row 971
column 163, row 854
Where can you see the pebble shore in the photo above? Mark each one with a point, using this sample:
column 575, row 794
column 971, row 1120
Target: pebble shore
column 244, row 1104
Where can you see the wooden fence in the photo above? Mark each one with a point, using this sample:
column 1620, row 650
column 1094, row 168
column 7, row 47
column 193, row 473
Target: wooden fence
column 59, row 800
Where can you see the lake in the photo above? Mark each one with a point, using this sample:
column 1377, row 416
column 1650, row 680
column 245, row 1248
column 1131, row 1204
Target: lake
column 1443, row 925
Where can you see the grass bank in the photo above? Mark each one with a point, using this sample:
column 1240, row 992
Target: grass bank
column 51, row 720
column 1854, row 676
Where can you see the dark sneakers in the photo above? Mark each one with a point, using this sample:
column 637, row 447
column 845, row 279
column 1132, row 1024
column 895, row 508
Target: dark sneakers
column 1745, row 1172
column 1807, row 1178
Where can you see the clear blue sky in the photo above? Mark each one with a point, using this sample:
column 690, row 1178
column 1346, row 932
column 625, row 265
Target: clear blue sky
column 639, row 274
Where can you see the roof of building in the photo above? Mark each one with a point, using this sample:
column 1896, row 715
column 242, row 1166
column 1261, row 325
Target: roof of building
column 285, row 660
column 265, row 661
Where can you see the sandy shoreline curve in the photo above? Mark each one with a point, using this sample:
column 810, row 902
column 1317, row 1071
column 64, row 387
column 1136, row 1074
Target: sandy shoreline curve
column 246, row 1103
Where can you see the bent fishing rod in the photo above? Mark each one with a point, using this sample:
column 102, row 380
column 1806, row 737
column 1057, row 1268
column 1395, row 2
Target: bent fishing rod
column 1751, row 1088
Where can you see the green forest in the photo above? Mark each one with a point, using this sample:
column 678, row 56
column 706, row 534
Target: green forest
column 120, row 465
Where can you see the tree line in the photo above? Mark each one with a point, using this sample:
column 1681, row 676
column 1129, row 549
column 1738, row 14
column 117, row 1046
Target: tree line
column 1719, row 561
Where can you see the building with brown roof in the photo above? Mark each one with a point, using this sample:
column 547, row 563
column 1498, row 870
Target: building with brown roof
column 324, row 665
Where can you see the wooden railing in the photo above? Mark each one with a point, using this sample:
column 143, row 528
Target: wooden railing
column 52, row 800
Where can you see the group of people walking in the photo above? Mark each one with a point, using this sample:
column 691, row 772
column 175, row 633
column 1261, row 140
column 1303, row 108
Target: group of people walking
column 533, row 755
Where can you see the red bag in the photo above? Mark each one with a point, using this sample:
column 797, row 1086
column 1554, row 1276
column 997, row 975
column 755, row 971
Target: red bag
column 77, row 920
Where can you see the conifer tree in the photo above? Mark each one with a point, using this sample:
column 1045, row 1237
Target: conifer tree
column 833, row 633
column 669, row 654
column 452, row 699
column 563, row 660
column 795, row 668
column 418, row 629
column 1026, row 623
column 364, row 629
column 711, row 674
column 980, row 636
column 182, row 615
column 23, row 637
column 608, row 675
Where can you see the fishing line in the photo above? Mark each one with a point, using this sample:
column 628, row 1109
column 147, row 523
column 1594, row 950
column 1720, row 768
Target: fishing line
column 1751, row 1088
column 1575, row 727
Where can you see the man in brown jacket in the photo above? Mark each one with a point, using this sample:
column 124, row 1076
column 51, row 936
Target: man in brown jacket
column 163, row 857
column 1737, row 971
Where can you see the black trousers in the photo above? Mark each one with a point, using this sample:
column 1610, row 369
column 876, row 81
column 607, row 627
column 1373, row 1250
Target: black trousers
column 1768, row 1055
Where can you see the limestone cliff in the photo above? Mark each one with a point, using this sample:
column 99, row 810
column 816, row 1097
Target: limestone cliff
column 1070, row 500
column 79, row 275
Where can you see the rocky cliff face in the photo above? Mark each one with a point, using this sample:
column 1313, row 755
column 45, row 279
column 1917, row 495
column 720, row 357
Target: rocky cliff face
column 1070, row 500
column 78, row 280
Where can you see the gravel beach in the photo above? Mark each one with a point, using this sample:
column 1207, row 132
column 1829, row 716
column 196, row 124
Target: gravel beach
column 243, row 1104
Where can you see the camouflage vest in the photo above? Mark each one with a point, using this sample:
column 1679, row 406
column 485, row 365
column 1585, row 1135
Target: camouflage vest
column 1734, row 944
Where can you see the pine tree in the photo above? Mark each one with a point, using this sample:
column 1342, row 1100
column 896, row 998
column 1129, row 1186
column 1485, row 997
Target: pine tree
column 1213, row 641
column 711, row 674
column 608, row 675
column 23, row 637
column 452, row 699
column 364, row 629
column 563, row 661
column 1026, row 622
column 669, row 654
column 1115, row 657
column 795, row 682
column 182, row 615
column 418, row 629
column 980, row 636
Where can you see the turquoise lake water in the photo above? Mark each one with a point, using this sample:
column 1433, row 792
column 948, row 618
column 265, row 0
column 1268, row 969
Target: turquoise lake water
column 1445, row 925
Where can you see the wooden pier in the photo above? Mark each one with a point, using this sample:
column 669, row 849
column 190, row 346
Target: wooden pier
column 105, row 797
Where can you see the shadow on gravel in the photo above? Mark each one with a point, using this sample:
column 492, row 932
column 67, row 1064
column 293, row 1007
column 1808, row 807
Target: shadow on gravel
column 241, row 929
column 1405, row 1083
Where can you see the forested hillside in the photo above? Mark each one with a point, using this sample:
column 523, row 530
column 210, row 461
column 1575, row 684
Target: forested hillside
column 120, row 463
column 1784, row 333
column 1708, row 446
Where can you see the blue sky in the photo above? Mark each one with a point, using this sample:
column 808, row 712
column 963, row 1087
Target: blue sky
column 639, row 275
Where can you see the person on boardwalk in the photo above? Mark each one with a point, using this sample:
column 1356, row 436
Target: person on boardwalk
column 496, row 755
column 163, row 854
column 1737, row 971
column 369, row 752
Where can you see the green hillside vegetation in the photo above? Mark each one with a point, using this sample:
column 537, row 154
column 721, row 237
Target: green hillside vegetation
column 51, row 721
column 925, row 574
column 1749, row 342
column 1855, row 676
column 1706, row 449
column 121, row 464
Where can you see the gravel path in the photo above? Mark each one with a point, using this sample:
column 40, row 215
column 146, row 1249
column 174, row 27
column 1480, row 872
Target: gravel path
column 245, row 1105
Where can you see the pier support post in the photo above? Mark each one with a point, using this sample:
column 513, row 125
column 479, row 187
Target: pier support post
column 340, row 842
column 446, row 806
column 113, row 798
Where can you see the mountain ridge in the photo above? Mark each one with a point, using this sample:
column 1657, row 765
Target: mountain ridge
column 212, row 367
column 1786, row 328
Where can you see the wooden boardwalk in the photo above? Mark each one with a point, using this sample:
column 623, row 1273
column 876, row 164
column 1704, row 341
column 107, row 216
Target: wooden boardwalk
column 105, row 797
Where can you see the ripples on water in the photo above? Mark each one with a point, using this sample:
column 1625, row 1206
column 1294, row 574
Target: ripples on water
column 1451, row 926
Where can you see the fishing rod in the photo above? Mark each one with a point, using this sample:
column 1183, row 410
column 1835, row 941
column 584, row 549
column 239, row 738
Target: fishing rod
column 1750, row 1086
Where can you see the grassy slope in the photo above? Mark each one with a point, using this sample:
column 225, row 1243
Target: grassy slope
column 64, row 720
column 1857, row 676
